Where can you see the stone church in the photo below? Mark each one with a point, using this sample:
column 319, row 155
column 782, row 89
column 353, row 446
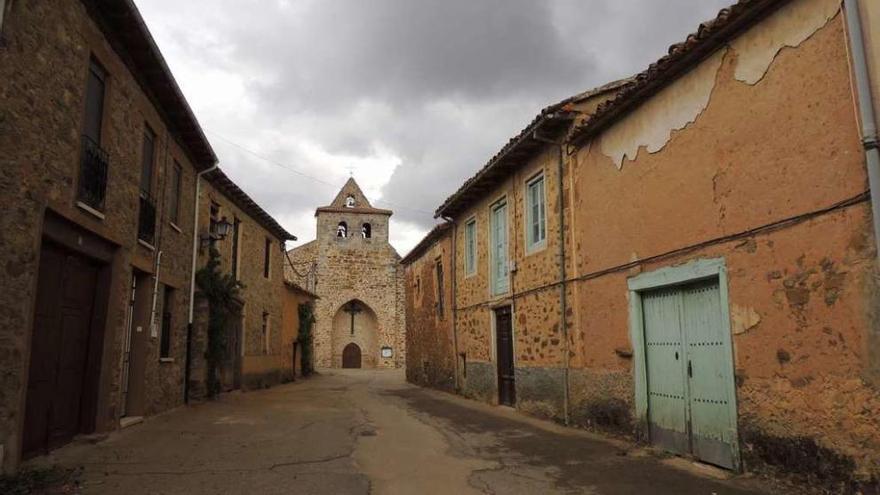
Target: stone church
column 357, row 275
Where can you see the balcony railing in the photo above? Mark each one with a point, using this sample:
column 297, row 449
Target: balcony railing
column 93, row 166
column 147, row 219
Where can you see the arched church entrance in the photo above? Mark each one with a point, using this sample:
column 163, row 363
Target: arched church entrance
column 355, row 336
column 351, row 356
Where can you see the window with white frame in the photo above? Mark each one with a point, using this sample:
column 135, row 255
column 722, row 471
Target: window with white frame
column 470, row 247
column 536, row 215
column 499, row 274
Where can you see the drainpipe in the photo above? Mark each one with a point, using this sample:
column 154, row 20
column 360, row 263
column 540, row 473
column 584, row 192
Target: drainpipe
column 195, row 249
column 563, row 297
column 866, row 109
column 155, row 292
column 192, row 281
column 453, row 262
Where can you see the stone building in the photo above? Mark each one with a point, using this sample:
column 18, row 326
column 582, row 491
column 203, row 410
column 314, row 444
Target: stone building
column 695, row 262
column 253, row 252
column 100, row 155
column 355, row 271
column 292, row 344
column 430, row 345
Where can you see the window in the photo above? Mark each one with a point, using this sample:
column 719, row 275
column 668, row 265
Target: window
column 418, row 286
column 236, row 229
column 349, row 201
column 366, row 231
column 267, row 258
column 536, row 216
column 94, row 161
column 470, row 247
column 266, row 333
column 499, row 275
column 165, row 339
column 438, row 268
column 147, row 159
column 147, row 210
column 215, row 218
column 174, row 200
column 95, row 89
column 342, row 230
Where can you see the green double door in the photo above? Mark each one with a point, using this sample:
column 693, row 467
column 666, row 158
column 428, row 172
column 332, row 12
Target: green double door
column 689, row 365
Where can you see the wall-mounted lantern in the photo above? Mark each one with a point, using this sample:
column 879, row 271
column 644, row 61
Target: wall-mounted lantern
column 217, row 232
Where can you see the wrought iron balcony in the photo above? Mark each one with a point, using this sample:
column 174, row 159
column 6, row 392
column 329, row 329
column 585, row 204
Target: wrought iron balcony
column 93, row 166
column 147, row 219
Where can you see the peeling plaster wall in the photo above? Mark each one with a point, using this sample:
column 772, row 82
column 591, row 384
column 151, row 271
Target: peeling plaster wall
column 801, row 296
column 679, row 104
column 671, row 109
column 790, row 26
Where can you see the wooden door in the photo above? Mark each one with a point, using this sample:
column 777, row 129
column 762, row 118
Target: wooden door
column 690, row 373
column 709, row 375
column 667, row 400
column 504, row 343
column 351, row 356
column 63, row 321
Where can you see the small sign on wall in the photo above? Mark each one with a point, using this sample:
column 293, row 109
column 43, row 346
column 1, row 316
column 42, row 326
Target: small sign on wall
column 387, row 352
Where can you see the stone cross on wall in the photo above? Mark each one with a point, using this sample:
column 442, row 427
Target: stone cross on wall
column 353, row 309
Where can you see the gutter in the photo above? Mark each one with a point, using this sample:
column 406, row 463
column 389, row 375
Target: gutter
column 192, row 281
column 563, row 296
column 867, row 116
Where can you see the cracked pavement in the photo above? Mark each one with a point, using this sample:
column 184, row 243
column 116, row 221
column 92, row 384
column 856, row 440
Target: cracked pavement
column 362, row 432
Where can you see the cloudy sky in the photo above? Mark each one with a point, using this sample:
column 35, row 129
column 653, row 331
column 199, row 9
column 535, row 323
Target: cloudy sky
column 411, row 96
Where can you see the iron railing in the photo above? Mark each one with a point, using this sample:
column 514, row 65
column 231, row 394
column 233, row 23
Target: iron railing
column 147, row 219
column 94, row 163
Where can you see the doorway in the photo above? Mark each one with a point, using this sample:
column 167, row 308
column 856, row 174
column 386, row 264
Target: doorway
column 504, row 354
column 134, row 360
column 686, row 370
column 351, row 356
column 65, row 355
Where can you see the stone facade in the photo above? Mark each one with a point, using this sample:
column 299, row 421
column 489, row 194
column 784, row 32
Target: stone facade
column 688, row 175
column 430, row 346
column 353, row 268
column 45, row 55
column 257, row 347
column 294, row 297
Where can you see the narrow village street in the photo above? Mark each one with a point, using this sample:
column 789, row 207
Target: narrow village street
column 358, row 432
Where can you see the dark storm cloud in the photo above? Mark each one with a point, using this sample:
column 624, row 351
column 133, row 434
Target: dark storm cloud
column 440, row 85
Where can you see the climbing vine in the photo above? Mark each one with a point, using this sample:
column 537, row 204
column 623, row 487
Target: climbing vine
column 306, row 322
column 222, row 292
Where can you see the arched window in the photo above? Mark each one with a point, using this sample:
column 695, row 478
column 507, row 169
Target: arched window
column 366, row 231
column 349, row 201
column 342, row 230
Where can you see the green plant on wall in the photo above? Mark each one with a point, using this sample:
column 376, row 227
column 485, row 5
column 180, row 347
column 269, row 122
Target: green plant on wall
column 222, row 292
column 306, row 322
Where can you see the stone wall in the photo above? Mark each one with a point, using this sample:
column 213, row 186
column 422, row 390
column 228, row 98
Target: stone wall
column 429, row 341
column 44, row 60
column 293, row 298
column 260, row 294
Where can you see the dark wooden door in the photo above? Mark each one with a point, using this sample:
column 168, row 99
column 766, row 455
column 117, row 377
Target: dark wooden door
column 351, row 356
column 59, row 348
column 504, row 342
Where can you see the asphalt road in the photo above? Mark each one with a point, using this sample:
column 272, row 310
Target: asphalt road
column 368, row 432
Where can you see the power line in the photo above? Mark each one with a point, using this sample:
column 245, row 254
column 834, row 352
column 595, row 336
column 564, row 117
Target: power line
column 305, row 175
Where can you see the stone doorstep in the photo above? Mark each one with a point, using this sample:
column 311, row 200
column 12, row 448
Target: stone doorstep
column 130, row 421
column 698, row 468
